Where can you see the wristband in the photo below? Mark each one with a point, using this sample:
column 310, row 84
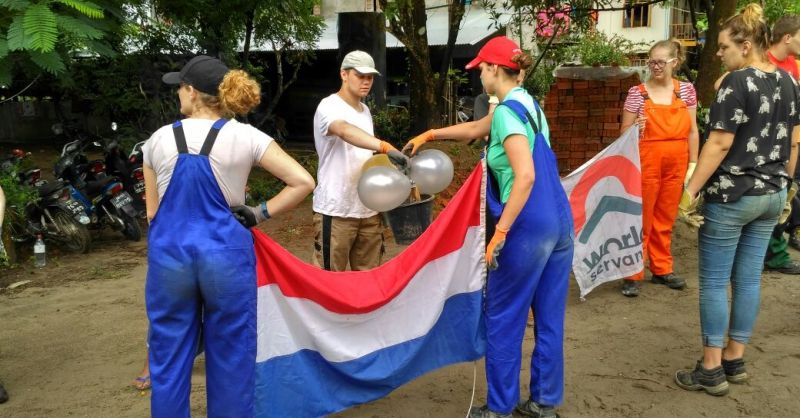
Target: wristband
column 264, row 210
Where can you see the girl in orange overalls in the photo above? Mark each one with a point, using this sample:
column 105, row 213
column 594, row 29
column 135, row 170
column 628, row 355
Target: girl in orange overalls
column 665, row 110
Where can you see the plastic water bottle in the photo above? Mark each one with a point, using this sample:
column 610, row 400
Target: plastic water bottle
column 39, row 253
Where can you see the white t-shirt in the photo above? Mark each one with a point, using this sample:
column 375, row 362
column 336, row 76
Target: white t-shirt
column 237, row 149
column 339, row 162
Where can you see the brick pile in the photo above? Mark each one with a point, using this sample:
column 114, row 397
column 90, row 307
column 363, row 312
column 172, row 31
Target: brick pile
column 584, row 117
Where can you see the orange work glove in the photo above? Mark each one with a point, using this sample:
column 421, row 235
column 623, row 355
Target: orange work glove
column 494, row 247
column 418, row 140
column 395, row 156
column 385, row 147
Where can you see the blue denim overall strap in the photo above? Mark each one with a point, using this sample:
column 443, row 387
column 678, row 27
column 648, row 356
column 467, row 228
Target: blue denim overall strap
column 201, row 264
column 533, row 274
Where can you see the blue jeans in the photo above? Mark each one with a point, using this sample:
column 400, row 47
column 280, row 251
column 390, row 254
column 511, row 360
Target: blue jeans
column 732, row 244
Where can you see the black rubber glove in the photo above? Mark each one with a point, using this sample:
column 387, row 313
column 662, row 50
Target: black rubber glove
column 399, row 159
column 246, row 215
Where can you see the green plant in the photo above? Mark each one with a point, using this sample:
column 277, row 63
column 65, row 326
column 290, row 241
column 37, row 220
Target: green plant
column 702, row 118
column 598, row 49
column 392, row 124
column 46, row 32
column 17, row 195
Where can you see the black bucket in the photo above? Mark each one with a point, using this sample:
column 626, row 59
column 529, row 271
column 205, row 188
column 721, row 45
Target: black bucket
column 410, row 220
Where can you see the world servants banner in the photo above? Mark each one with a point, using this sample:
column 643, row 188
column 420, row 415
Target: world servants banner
column 605, row 194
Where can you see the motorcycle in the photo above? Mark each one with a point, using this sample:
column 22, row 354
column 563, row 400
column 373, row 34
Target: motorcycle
column 107, row 203
column 129, row 170
column 55, row 214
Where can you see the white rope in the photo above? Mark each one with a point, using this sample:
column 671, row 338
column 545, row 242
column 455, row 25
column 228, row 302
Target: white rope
column 474, row 378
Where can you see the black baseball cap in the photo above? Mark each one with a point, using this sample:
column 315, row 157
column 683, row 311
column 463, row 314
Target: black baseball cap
column 202, row 72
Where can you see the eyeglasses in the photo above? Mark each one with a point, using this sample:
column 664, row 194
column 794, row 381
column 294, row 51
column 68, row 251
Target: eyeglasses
column 659, row 63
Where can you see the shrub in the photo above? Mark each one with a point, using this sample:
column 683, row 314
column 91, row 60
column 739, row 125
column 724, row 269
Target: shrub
column 393, row 125
column 598, row 49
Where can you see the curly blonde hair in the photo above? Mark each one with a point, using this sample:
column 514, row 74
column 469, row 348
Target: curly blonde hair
column 238, row 95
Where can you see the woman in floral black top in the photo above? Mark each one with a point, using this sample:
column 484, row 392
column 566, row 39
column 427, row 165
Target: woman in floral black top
column 743, row 172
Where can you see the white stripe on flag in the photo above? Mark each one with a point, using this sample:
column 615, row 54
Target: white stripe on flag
column 287, row 325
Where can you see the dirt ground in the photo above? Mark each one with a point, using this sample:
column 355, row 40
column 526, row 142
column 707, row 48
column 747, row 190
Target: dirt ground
column 73, row 340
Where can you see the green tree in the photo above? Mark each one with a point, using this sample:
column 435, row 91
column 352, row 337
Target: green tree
column 42, row 35
column 291, row 32
column 407, row 22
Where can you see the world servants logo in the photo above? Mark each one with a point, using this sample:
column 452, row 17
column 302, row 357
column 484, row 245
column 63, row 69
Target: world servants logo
column 605, row 195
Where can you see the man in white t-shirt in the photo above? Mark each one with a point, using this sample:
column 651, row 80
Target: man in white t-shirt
column 347, row 232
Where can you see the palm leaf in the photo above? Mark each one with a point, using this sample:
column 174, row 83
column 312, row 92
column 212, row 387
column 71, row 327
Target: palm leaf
column 40, row 25
column 77, row 28
column 16, row 5
column 87, row 8
column 17, row 38
column 48, row 61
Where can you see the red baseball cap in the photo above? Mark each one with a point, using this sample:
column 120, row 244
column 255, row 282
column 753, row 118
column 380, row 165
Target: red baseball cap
column 498, row 51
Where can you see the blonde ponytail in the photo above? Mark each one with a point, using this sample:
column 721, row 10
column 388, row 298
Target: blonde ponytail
column 749, row 25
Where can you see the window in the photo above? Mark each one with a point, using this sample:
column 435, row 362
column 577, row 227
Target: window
column 636, row 15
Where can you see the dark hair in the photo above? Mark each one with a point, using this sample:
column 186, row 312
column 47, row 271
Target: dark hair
column 786, row 25
column 238, row 95
column 749, row 25
column 675, row 48
column 523, row 60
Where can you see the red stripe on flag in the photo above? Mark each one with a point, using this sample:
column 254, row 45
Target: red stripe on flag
column 612, row 166
column 355, row 292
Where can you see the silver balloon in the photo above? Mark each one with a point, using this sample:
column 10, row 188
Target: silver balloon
column 383, row 188
column 431, row 170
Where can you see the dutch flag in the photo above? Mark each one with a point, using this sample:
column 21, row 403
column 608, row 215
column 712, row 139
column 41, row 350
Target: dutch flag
column 331, row 340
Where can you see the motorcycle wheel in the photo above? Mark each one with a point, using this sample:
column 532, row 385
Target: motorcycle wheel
column 76, row 237
column 132, row 229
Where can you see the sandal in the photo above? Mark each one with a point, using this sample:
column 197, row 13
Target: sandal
column 142, row 383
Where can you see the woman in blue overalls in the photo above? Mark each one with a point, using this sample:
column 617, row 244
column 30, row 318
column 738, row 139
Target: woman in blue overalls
column 200, row 256
column 530, row 253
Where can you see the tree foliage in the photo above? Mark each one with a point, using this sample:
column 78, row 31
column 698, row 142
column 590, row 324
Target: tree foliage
column 44, row 34
column 407, row 22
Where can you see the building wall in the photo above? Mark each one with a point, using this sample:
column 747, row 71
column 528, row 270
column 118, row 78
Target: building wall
column 610, row 23
column 584, row 117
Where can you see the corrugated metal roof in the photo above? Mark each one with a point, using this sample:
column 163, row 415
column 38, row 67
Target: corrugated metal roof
column 476, row 25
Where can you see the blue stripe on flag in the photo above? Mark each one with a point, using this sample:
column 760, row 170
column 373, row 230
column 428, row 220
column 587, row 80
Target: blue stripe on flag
column 304, row 384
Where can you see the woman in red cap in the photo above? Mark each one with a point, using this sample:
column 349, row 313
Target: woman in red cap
column 530, row 254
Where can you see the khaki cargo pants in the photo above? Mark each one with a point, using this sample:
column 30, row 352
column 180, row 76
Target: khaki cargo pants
column 339, row 241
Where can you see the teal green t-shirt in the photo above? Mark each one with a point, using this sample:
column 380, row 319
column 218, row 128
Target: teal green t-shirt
column 505, row 123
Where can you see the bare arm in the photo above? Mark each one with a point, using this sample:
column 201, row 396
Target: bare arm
column 2, row 208
column 714, row 151
column 150, row 192
column 519, row 157
column 354, row 135
column 694, row 137
column 791, row 166
column 466, row 131
column 299, row 182
column 628, row 119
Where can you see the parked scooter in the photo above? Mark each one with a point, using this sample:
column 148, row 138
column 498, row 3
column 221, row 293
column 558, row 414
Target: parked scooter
column 55, row 214
column 108, row 204
column 129, row 170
